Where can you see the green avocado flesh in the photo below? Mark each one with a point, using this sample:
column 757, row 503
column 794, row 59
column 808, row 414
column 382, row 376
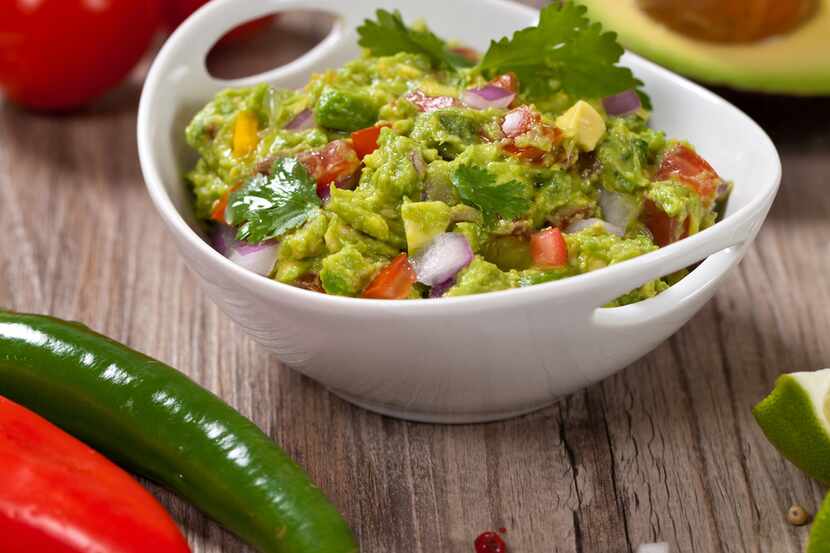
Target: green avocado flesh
column 793, row 61
column 436, row 170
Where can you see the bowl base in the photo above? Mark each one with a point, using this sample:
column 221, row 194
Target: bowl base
column 440, row 417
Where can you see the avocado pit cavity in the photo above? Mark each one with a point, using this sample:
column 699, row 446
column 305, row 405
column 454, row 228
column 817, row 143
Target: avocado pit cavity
column 730, row 21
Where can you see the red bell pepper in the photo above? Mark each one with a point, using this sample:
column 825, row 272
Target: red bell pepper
column 59, row 495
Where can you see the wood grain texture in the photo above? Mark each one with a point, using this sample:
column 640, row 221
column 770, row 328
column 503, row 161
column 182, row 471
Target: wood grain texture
column 666, row 450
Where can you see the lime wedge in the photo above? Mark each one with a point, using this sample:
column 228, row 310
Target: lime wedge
column 820, row 531
column 794, row 418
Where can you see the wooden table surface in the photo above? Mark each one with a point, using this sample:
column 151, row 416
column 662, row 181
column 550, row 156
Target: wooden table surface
column 666, row 450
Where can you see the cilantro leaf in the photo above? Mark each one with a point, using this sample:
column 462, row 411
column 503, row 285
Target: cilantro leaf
column 389, row 35
column 478, row 187
column 565, row 51
column 269, row 206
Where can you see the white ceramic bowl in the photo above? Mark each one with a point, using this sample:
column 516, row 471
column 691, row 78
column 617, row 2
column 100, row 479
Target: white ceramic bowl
column 472, row 358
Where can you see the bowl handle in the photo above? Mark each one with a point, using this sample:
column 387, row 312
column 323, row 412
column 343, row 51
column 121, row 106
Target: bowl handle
column 723, row 244
column 196, row 36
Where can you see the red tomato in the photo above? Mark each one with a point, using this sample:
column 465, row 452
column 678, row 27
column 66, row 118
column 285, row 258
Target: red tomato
column 519, row 121
column 692, row 170
column 532, row 153
column 394, row 282
column 336, row 160
column 218, row 213
column 176, row 11
column 664, row 229
column 59, row 54
column 508, row 81
column 365, row 141
column 548, row 248
column 467, row 53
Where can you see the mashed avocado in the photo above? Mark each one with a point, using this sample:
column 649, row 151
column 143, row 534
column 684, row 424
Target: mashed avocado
column 390, row 154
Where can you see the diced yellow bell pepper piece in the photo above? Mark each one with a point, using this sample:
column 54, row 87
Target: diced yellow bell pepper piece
column 245, row 137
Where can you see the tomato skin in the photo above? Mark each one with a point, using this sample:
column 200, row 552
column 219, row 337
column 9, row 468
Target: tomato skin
column 508, row 81
column 176, row 11
column 690, row 169
column 519, row 121
column 523, row 120
column 58, row 495
column 365, row 141
column 59, row 54
column 548, row 248
column 336, row 160
column 394, row 282
column 664, row 229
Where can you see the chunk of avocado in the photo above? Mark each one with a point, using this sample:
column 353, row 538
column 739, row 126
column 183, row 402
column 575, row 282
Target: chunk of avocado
column 347, row 272
column 423, row 221
column 344, row 110
column 794, row 60
column 582, row 123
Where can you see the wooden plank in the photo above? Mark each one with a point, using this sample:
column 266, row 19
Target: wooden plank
column 666, row 450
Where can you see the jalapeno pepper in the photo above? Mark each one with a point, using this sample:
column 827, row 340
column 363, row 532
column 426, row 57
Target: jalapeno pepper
column 155, row 421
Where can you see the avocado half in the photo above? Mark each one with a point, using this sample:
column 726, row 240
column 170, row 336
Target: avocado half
column 793, row 63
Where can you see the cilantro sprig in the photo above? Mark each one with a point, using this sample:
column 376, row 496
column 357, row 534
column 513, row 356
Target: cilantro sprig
column 269, row 206
column 564, row 51
column 389, row 35
column 478, row 187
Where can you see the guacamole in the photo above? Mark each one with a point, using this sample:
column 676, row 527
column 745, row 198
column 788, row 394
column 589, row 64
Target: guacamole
column 418, row 171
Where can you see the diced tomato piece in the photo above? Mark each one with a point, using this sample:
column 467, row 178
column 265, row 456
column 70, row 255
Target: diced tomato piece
column 337, row 159
column 664, row 229
column 221, row 205
column 467, row 53
column 218, row 213
column 519, row 121
column 531, row 153
column 692, row 170
column 548, row 248
column 394, row 282
column 365, row 141
column 508, row 81
column 431, row 103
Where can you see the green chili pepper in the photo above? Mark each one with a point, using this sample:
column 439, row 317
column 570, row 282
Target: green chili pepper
column 155, row 421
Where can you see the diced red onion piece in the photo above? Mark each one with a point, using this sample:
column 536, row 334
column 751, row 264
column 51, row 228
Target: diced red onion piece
column 489, row 96
column 623, row 103
column 440, row 289
column 221, row 237
column 259, row 258
column 618, row 209
column 723, row 188
column 431, row 103
column 442, row 258
column 418, row 162
column 348, row 182
column 661, row 547
column 324, row 192
column 302, row 121
column 582, row 224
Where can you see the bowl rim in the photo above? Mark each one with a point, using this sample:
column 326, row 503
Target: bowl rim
column 757, row 206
